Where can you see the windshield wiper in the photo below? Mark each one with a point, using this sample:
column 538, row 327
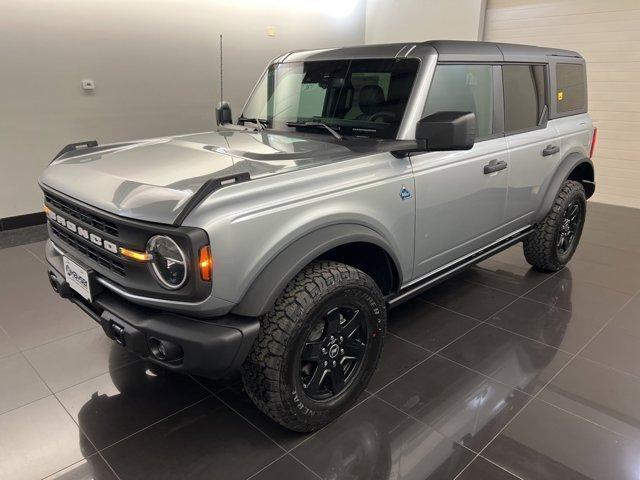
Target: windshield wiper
column 316, row 125
column 258, row 121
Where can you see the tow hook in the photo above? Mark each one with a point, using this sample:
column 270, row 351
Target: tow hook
column 118, row 333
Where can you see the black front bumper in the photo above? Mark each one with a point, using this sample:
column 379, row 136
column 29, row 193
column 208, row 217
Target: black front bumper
column 212, row 347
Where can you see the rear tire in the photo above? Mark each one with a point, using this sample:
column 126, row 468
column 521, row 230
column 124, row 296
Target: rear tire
column 330, row 318
column 555, row 239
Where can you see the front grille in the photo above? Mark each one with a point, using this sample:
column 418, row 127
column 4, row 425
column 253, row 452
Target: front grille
column 82, row 215
column 88, row 250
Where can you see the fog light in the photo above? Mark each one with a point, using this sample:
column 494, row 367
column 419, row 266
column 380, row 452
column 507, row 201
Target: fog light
column 164, row 350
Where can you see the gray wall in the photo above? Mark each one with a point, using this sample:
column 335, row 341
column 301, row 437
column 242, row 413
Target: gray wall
column 154, row 63
column 418, row 20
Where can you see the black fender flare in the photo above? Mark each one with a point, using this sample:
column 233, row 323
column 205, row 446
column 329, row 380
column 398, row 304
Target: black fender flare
column 561, row 174
column 271, row 281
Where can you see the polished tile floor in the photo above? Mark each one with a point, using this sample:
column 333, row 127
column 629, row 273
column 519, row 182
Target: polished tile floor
column 500, row 373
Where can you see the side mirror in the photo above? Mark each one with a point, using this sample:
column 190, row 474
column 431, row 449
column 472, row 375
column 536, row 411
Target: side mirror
column 446, row 131
column 223, row 114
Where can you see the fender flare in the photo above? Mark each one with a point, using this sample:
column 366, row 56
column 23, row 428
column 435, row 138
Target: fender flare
column 561, row 174
column 271, row 281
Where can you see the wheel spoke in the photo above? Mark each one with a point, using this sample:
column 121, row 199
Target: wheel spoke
column 337, row 378
column 333, row 322
column 560, row 240
column 313, row 386
column 312, row 351
column 354, row 350
column 351, row 325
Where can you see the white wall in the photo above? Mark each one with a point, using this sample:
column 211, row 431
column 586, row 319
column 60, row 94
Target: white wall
column 155, row 65
column 419, row 20
column 607, row 34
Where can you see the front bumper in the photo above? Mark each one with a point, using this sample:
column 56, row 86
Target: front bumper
column 209, row 347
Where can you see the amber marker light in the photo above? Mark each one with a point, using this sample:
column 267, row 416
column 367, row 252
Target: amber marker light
column 135, row 255
column 205, row 262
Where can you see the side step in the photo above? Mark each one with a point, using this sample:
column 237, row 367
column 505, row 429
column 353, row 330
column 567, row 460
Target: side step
column 441, row 275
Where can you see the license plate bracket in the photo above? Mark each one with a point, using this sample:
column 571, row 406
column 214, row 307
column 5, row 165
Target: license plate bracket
column 78, row 277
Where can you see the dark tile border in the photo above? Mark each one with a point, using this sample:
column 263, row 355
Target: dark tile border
column 20, row 221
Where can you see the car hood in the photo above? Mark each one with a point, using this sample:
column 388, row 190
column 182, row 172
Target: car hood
column 153, row 179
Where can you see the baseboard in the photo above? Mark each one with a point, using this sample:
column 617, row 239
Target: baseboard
column 20, row 221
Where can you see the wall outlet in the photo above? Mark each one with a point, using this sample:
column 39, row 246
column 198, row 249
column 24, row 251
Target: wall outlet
column 88, row 84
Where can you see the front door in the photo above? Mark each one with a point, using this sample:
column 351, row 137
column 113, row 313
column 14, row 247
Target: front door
column 460, row 196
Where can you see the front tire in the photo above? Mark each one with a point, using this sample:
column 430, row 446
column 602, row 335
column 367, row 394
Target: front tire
column 318, row 347
column 555, row 239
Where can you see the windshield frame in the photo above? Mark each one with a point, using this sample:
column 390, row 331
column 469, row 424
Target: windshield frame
column 400, row 127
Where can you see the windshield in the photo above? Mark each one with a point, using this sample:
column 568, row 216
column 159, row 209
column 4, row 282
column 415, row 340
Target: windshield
column 364, row 98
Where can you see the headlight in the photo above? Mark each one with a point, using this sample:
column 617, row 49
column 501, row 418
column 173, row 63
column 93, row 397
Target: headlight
column 169, row 263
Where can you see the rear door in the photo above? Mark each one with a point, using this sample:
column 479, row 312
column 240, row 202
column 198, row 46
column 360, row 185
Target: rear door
column 459, row 207
column 534, row 147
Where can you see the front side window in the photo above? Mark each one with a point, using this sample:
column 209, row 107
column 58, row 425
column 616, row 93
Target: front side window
column 464, row 88
column 571, row 87
column 364, row 98
column 524, row 96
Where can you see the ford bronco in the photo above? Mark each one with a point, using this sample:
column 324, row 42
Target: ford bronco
column 353, row 180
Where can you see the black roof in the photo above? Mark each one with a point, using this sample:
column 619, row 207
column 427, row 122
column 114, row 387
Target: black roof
column 447, row 50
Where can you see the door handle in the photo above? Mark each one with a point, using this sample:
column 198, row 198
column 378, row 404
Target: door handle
column 550, row 150
column 494, row 166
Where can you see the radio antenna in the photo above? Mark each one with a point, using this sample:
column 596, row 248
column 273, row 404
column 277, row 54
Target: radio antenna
column 221, row 96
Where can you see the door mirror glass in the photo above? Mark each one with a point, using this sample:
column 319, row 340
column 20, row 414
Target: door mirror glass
column 223, row 113
column 446, row 131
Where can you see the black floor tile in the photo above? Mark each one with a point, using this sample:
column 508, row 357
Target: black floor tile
column 398, row 356
column 376, row 441
column 72, row 360
column 286, row 467
column 623, row 278
column 238, row 400
column 92, row 468
column 463, row 405
column 481, row 469
column 205, row 441
column 39, row 439
column 628, row 319
column 477, row 301
column 515, row 279
column 543, row 442
column 551, row 325
column 598, row 393
column 125, row 400
column 20, row 383
column 569, row 292
column 511, row 359
column 215, row 385
column 428, row 325
column 617, row 348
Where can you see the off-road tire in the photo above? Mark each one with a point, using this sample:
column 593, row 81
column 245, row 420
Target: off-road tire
column 269, row 373
column 540, row 248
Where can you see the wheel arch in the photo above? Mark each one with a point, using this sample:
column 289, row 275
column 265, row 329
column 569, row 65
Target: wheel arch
column 355, row 245
column 574, row 166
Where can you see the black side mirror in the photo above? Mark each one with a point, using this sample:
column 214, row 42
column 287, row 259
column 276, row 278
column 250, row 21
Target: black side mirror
column 223, row 114
column 446, row 131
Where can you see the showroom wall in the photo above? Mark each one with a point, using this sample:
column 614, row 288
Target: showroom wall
column 418, row 20
column 607, row 35
column 155, row 65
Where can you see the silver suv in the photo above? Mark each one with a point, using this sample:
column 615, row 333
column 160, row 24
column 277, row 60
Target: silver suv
column 353, row 180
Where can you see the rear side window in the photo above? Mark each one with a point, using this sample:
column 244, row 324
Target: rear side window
column 524, row 96
column 464, row 88
column 571, row 87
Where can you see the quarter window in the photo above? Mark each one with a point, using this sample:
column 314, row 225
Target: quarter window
column 524, row 96
column 464, row 88
column 571, row 87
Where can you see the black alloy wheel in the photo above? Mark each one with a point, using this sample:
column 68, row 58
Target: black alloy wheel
column 333, row 352
column 569, row 227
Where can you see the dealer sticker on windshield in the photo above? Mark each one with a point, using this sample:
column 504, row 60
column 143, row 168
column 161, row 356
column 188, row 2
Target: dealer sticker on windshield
column 77, row 278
